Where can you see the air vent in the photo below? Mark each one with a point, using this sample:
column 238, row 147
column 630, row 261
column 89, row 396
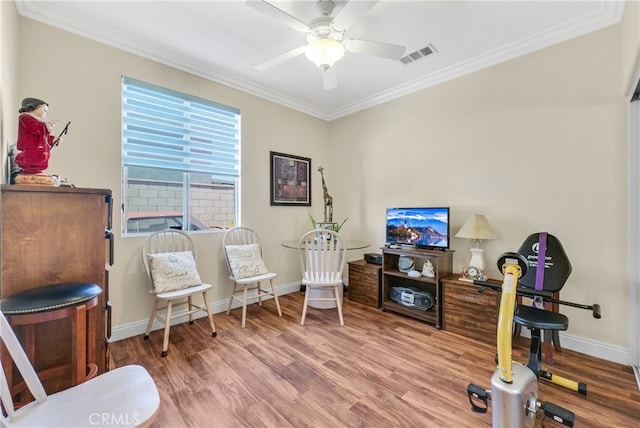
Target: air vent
column 421, row 53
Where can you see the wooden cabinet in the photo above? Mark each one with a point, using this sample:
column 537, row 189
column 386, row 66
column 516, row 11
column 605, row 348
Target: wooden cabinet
column 467, row 312
column 442, row 262
column 364, row 283
column 54, row 235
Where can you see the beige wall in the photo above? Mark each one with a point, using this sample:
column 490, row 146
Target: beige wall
column 538, row 143
column 8, row 79
column 82, row 84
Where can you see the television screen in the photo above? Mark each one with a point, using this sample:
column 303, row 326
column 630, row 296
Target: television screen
column 422, row 227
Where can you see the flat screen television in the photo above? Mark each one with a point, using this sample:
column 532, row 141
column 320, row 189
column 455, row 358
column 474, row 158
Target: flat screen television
column 424, row 227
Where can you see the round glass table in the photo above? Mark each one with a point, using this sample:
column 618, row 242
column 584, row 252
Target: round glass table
column 351, row 244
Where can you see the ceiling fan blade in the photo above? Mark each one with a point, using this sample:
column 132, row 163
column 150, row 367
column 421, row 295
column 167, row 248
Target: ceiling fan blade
column 329, row 78
column 384, row 50
column 280, row 58
column 351, row 12
column 278, row 15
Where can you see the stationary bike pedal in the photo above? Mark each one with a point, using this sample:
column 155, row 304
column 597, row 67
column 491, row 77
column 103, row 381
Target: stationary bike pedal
column 477, row 394
column 559, row 414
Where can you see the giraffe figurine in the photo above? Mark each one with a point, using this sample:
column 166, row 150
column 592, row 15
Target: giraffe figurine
column 328, row 200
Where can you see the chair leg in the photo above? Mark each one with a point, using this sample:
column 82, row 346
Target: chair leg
column 244, row 305
column 535, row 354
column 79, row 344
column 260, row 291
column 190, row 309
column 275, row 297
column 304, row 306
column 205, row 297
column 556, row 341
column 7, row 364
column 151, row 318
column 516, row 330
column 336, row 291
column 547, row 346
column 167, row 326
column 92, row 315
column 233, row 292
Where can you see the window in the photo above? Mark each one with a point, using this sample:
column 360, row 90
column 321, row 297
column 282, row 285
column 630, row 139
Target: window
column 180, row 160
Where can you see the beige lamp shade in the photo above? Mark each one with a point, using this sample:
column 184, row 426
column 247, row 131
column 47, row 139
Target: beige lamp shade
column 477, row 228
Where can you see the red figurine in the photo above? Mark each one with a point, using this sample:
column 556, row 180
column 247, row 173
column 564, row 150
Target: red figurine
column 35, row 136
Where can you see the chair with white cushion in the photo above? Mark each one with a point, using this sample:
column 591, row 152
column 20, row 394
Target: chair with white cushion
column 322, row 258
column 169, row 258
column 123, row 396
column 243, row 252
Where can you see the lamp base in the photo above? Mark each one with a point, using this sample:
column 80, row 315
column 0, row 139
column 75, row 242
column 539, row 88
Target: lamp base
column 477, row 258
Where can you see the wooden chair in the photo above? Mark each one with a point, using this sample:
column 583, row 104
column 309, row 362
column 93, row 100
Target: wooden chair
column 243, row 253
column 123, row 396
column 322, row 257
column 167, row 243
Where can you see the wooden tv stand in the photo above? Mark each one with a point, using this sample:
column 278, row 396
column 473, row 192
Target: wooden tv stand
column 442, row 262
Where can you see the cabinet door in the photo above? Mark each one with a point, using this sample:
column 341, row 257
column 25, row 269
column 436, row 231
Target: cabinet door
column 469, row 313
column 364, row 283
column 50, row 238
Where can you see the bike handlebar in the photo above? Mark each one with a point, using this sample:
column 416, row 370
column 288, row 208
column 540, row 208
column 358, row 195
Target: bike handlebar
column 546, row 296
column 596, row 311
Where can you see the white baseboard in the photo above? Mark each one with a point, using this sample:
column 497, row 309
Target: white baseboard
column 606, row 351
column 580, row 344
column 139, row 327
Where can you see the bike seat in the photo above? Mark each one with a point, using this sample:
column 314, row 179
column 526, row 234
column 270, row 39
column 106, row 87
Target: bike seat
column 539, row 318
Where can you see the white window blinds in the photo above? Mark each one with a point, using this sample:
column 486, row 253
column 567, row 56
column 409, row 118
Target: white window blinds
column 166, row 129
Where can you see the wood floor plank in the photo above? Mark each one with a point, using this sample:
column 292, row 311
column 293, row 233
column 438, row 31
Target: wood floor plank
column 378, row 370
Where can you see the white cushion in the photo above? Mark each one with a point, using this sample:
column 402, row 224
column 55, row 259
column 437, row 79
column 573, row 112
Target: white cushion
column 245, row 260
column 173, row 271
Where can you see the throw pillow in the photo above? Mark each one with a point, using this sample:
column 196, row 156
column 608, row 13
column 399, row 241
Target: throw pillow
column 245, row 260
column 173, row 271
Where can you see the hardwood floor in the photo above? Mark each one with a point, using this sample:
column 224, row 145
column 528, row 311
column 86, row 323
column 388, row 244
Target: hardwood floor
column 379, row 370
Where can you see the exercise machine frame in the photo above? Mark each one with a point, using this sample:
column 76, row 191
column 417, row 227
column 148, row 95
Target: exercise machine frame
column 514, row 386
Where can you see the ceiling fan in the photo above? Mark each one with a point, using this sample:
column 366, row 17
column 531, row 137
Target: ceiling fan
column 326, row 42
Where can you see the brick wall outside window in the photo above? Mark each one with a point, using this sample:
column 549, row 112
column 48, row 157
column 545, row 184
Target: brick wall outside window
column 213, row 205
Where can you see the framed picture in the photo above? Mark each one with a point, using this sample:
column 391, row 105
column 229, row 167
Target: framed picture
column 290, row 180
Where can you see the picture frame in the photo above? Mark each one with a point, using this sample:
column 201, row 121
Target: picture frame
column 290, row 180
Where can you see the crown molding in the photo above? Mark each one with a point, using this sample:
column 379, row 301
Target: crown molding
column 609, row 13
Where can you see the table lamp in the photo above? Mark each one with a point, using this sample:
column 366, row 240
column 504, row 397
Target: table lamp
column 477, row 228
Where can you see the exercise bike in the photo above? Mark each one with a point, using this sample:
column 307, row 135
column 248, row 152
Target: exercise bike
column 514, row 386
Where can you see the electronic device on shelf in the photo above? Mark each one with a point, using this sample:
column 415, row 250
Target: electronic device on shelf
column 412, row 297
column 374, row 258
column 423, row 227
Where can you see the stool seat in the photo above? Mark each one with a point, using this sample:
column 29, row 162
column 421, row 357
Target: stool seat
column 48, row 298
column 539, row 318
column 51, row 303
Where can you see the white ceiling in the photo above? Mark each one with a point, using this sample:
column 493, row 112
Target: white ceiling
column 224, row 40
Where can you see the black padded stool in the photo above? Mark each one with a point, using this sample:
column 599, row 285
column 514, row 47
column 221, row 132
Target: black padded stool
column 54, row 302
column 550, row 338
column 538, row 320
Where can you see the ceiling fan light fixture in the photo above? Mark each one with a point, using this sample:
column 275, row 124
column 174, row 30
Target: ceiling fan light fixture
column 324, row 52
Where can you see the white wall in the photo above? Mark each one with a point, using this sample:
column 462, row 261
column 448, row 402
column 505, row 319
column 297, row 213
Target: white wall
column 538, row 143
